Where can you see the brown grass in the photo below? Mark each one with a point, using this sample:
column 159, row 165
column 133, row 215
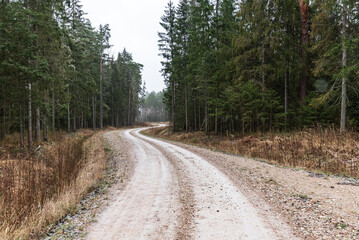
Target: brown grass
column 10, row 148
column 41, row 189
column 318, row 149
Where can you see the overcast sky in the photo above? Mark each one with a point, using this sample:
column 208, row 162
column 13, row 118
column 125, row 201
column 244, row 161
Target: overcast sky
column 134, row 25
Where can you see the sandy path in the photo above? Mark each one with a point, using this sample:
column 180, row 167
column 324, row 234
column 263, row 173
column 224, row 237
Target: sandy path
column 176, row 194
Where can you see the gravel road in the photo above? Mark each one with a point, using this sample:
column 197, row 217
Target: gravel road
column 174, row 193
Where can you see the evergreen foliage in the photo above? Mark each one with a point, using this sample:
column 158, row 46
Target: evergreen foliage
column 55, row 73
column 260, row 65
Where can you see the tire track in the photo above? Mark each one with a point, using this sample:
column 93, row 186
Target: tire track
column 220, row 210
column 148, row 206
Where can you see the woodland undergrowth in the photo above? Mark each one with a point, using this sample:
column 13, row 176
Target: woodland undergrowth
column 40, row 187
column 314, row 149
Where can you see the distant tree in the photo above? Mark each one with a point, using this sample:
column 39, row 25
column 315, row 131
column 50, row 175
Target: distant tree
column 154, row 109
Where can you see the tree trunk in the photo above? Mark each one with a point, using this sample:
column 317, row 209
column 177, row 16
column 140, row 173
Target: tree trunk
column 344, row 65
column 173, row 105
column 195, row 113
column 129, row 106
column 93, row 113
column 3, row 132
column 263, row 84
column 29, row 103
column 199, row 115
column 113, row 105
column 186, row 105
column 21, row 129
column 304, row 36
column 263, row 74
column 37, row 110
column 38, row 125
column 206, row 125
column 117, row 120
column 29, row 117
column 68, row 112
column 101, row 96
column 216, row 121
column 286, row 97
column 45, row 129
column 74, row 121
column 217, row 39
column 113, row 114
column 82, row 119
column 53, row 111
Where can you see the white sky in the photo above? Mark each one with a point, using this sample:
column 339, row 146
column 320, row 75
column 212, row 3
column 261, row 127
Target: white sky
column 134, row 25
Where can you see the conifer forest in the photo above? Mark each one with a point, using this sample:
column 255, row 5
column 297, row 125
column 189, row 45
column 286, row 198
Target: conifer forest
column 179, row 119
column 55, row 72
column 261, row 65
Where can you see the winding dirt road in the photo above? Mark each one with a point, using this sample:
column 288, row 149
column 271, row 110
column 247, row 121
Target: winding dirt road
column 175, row 194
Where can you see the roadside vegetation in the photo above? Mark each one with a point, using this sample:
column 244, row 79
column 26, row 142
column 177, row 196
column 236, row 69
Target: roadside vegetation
column 314, row 149
column 39, row 188
column 56, row 79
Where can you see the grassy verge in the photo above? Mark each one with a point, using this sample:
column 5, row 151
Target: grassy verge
column 322, row 150
column 40, row 189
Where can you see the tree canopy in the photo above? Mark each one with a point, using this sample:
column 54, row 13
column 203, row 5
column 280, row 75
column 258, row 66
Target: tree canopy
column 244, row 66
column 55, row 72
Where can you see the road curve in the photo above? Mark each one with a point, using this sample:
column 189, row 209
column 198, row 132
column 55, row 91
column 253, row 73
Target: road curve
column 176, row 194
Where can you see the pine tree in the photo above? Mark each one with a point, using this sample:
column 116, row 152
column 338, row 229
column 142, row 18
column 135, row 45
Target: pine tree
column 166, row 46
column 304, row 36
column 181, row 60
column 334, row 29
column 104, row 34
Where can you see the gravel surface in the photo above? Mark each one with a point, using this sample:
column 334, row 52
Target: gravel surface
column 176, row 194
column 147, row 207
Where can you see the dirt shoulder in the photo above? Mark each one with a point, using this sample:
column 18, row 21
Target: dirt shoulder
column 315, row 206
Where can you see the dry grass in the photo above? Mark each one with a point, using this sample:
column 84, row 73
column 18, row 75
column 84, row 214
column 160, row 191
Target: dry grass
column 323, row 150
column 10, row 149
column 40, row 189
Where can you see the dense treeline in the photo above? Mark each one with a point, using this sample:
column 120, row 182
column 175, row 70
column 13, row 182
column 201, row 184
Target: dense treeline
column 55, row 73
column 153, row 108
column 260, row 65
